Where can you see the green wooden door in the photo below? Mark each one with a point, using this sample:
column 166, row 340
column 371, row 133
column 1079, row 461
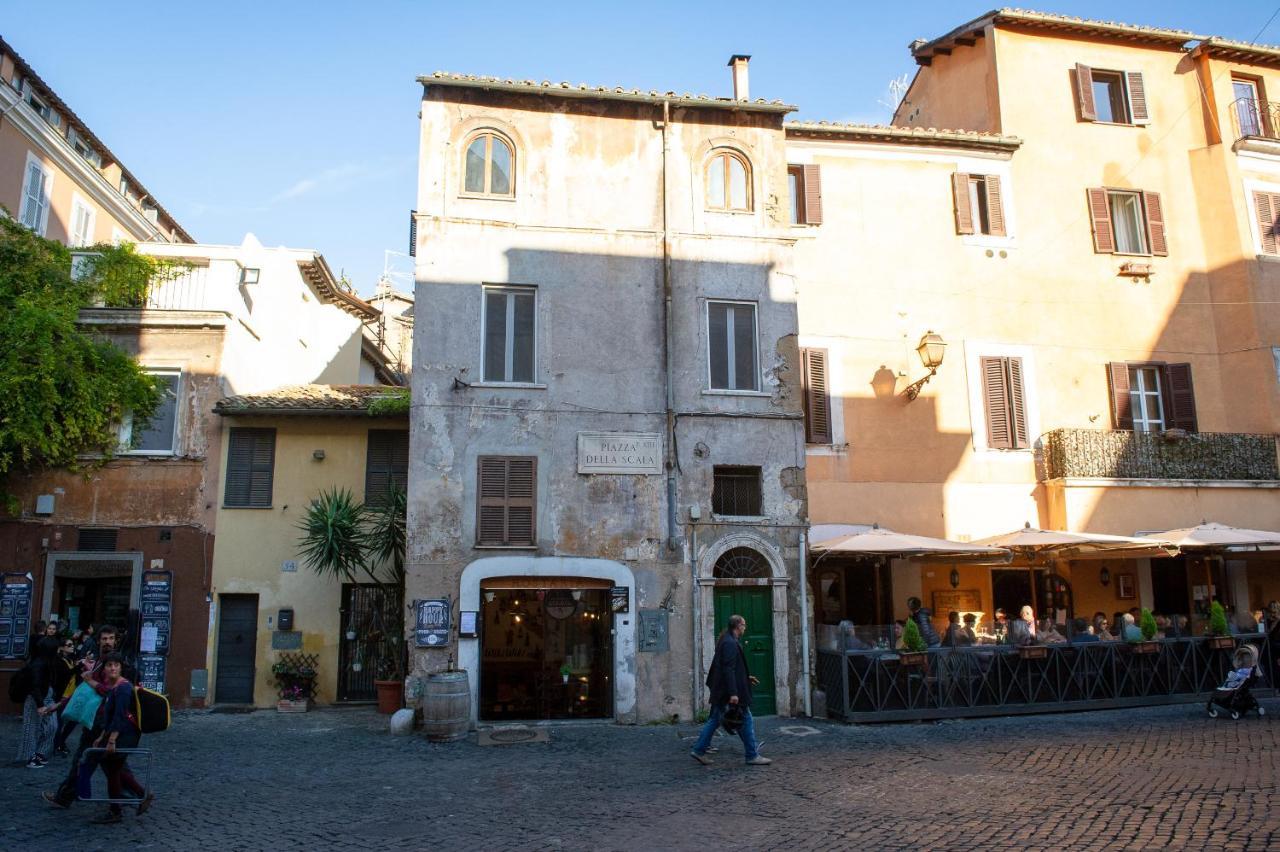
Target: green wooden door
column 755, row 604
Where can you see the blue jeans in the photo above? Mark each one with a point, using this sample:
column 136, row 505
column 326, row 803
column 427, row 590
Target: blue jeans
column 747, row 732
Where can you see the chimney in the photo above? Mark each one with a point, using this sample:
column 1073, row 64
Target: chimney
column 738, row 62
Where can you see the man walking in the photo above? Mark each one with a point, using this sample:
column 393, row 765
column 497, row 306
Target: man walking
column 730, row 684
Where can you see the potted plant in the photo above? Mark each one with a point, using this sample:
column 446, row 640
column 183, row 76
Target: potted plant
column 353, row 542
column 565, row 671
column 1219, row 634
column 913, row 647
column 295, row 682
column 1147, row 624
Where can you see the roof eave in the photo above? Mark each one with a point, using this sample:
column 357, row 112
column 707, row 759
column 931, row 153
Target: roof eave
column 1236, row 51
column 609, row 95
column 907, row 136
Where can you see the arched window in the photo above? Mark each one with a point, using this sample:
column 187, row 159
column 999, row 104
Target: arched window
column 728, row 182
column 741, row 563
column 489, row 168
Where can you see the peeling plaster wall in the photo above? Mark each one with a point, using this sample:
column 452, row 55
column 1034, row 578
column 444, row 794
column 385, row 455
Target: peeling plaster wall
column 585, row 229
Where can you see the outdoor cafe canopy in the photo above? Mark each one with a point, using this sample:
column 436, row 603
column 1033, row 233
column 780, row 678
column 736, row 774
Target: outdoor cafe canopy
column 1217, row 537
column 1031, row 543
column 875, row 541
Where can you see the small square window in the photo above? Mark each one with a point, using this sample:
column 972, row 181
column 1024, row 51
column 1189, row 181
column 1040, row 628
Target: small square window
column 736, row 490
column 250, row 275
column 1109, row 97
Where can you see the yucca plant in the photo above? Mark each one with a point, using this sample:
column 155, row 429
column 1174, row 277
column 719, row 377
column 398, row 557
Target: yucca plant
column 345, row 540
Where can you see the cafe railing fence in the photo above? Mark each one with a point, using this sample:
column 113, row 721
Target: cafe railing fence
column 995, row 680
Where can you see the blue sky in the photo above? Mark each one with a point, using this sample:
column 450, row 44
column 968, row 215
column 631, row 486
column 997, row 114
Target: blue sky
column 298, row 121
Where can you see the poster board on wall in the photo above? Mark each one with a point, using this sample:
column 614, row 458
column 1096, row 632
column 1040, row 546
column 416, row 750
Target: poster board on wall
column 958, row 600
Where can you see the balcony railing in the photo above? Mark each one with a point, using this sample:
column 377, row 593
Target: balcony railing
column 1093, row 453
column 1255, row 119
column 187, row 291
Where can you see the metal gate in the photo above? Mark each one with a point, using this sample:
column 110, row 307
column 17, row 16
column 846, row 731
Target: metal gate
column 356, row 653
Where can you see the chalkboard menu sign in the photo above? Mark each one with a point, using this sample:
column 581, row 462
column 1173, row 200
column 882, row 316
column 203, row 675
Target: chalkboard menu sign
column 156, row 599
column 151, row 671
column 15, row 616
column 620, row 599
column 433, row 622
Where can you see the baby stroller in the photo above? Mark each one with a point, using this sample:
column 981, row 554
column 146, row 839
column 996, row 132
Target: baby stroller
column 1236, row 693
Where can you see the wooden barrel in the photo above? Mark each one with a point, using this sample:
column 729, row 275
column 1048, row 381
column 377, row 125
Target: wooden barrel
column 446, row 706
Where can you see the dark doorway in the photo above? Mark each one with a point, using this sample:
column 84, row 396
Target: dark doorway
column 1011, row 590
column 364, row 607
column 1169, row 586
column 237, row 649
column 857, row 590
column 546, row 654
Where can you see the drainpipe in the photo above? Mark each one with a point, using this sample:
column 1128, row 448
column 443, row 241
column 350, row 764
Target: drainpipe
column 804, row 622
column 697, row 619
column 672, row 539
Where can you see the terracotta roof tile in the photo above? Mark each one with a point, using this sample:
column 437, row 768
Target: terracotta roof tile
column 304, row 399
column 891, row 133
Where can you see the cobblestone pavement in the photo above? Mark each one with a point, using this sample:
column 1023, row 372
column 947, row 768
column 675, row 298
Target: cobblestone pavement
column 1149, row 778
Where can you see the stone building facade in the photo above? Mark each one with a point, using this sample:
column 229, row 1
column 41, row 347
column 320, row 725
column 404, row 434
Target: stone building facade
column 608, row 448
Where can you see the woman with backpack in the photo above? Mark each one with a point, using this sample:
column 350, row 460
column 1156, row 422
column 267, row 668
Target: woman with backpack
column 38, row 729
column 120, row 729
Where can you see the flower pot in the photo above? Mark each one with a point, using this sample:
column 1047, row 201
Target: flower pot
column 564, row 678
column 1147, row 647
column 1033, row 652
column 912, row 658
column 390, row 695
column 1222, row 643
column 289, row 705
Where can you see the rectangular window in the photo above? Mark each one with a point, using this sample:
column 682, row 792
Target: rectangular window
column 83, row 148
column 506, row 501
column 1248, row 106
column 1152, row 396
column 35, row 195
column 1266, row 208
column 731, row 337
column 979, row 204
column 1128, row 221
column 510, row 334
column 386, row 464
column 1109, row 97
column 1004, row 400
column 735, row 491
column 805, row 186
column 251, row 463
column 1144, row 399
column 817, row 398
column 795, row 185
column 82, row 222
column 1113, row 97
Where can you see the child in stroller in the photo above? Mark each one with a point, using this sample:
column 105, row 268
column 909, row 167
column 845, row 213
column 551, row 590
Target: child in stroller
column 1236, row 693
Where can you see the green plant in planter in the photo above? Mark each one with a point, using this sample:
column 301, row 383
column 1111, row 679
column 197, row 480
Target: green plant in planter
column 1147, row 623
column 1218, row 620
column 912, row 641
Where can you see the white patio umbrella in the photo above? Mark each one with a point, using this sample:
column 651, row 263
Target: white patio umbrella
column 1211, row 536
column 1030, row 543
column 875, row 541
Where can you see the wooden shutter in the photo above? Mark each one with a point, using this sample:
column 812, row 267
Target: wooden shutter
column 995, row 205
column 817, row 399
column 1137, row 98
column 1179, row 397
column 413, row 233
column 1266, row 205
column 1017, row 403
column 1155, row 223
column 251, row 455
column 386, row 463
column 1084, row 93
column 812, row 195
column 506, row 493
column 964, row 211
column 995, row 395
column 1121, row 404
column 1104, row 240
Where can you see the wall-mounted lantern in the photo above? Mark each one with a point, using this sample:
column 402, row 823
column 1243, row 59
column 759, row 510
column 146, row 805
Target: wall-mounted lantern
column 1104, row 576
column 955, row 578
column 931, row 350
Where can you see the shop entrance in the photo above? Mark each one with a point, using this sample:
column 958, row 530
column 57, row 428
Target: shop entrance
column 92, row 588
column 546, row 652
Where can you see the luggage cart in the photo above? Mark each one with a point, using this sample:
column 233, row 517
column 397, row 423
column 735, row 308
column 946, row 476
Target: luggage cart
column 141, row 770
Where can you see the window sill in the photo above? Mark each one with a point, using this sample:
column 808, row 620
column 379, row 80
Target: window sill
column 225, row 506
column 730, row 212
column 504, row 547
column 147, row 454
column 740, row 519
column 719, row 392
column 1118, row 123
column 510, row 385
column 481, row 197
column 1269, row 258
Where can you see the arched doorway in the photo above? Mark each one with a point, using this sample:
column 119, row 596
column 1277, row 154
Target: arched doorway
column 742, row 587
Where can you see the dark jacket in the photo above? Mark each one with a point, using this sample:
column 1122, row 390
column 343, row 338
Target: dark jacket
column 1084, row 636
column 1020, row 633
column 116, row 713
column 927, row 633
column 728, row 675
column 957, row 637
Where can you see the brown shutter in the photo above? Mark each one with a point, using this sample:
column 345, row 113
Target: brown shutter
column 964, row 212
column 1084, row 93
column 1121, row 404
column 1104, row 241
column 386, row 463
column 1137, row 98
column 1017, row 404
column 251, row 455
column 995, row 205
column 506, row 492
column 812, row 195
column 1180, row 397
column 817, row 400
column 995, row 395
column 1155, row 223
column 1265, row 203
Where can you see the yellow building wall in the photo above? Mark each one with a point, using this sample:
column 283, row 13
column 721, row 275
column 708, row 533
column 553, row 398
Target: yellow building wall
column 253, row 544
